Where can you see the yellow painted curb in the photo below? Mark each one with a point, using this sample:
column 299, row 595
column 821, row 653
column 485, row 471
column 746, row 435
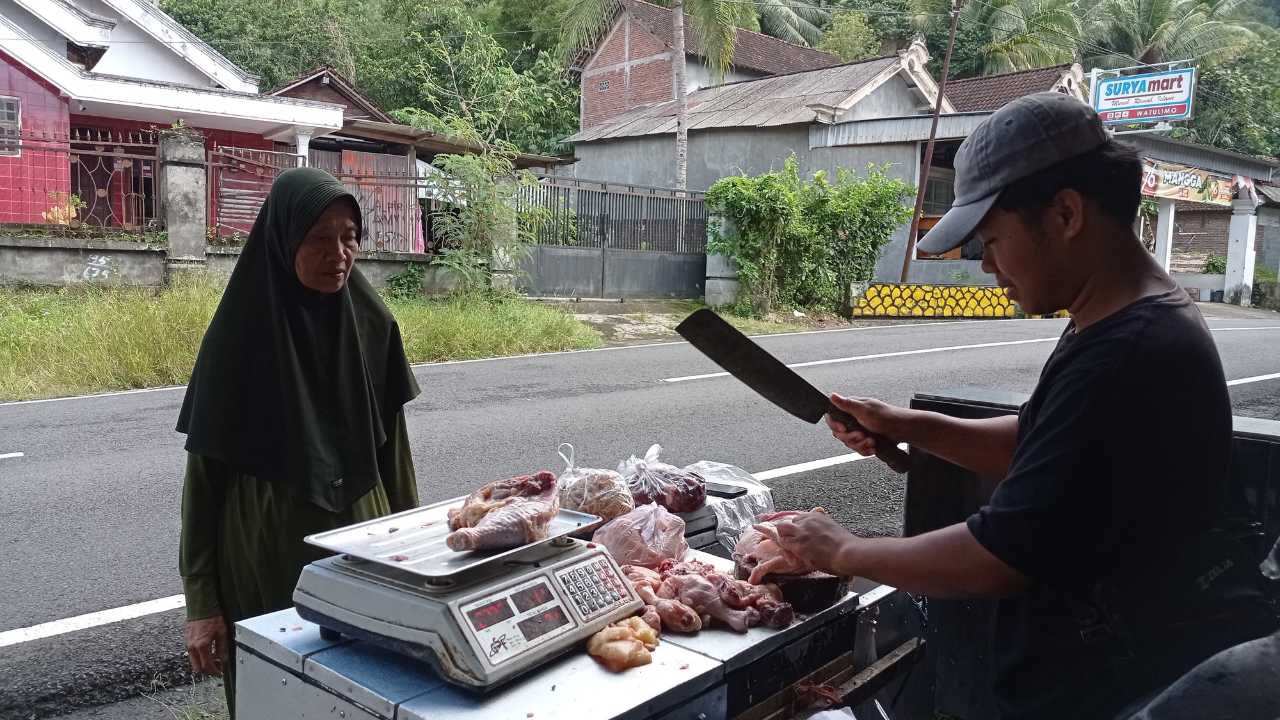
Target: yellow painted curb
column 935, row 301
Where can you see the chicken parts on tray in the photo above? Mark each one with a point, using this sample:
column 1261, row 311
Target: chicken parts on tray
column 624, row 644
column 505, row 514
column 759, row 549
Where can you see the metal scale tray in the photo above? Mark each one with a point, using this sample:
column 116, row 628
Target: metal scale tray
column 413, row 541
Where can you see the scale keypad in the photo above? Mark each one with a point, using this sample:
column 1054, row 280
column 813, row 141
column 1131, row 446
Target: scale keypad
column 594, row 588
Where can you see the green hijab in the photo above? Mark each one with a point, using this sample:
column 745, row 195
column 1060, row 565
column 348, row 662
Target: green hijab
column 294, row 386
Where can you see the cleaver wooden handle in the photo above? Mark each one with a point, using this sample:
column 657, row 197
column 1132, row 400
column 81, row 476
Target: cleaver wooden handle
column 886, row 449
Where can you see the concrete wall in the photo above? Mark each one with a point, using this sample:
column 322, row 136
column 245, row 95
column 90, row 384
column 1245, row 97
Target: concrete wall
column 376, row 267
column 892, row 99
column 1269, row 238
column 946, row 272
column 1200, row 285
column 76, row 261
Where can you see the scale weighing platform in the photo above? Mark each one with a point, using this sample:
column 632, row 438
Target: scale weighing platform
column 479, row 619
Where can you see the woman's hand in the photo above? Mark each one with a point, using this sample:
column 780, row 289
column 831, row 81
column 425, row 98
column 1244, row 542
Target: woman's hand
column 207, row 644
column 875, row 417
column 817, row 539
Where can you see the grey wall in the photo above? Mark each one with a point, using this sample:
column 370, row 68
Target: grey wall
column 1269, row 244
column 1200, row 284
column 74, row 261
column 377, row 268
column 892, row 99
column 944, row 272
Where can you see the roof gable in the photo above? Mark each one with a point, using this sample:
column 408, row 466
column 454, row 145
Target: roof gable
column 992, row 92
column 305, row 85
column 822, row 95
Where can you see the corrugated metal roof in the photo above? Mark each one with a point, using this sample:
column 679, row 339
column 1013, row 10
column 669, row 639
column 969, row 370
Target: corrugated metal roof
column 771, row 101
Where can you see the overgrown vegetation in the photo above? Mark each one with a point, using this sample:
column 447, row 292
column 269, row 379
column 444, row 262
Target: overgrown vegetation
column 90, row 339
column 803, row 243
column 1215, row 265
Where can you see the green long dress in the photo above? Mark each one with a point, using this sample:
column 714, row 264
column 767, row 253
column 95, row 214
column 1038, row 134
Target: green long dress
column 241, row 547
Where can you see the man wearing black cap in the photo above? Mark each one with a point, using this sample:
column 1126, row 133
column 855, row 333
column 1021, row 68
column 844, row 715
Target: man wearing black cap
column 1100, row 542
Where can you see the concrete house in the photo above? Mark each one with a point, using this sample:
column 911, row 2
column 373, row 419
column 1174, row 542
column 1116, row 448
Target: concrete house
column 631, row 66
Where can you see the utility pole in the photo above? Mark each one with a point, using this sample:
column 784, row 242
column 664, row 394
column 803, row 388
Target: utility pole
column 928, row 151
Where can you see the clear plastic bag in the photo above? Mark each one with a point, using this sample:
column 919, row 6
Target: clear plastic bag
column 736, row 516
column 591, row 490
column 652, row 481
column 645, row 536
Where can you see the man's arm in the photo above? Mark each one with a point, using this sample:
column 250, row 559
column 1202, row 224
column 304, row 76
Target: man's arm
column 948, row 562
column 984, row 446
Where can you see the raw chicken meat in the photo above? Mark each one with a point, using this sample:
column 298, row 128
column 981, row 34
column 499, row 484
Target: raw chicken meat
column 673, row 614
column 645, row 536
column 766, row 600
column 624, row 644
column 701, row 595
column 505, row 514
column 759, row 549
column 588, row 490
column 652, row 481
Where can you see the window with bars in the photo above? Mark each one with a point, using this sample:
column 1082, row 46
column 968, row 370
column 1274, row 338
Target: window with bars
column 10, row 125
column 939, row 192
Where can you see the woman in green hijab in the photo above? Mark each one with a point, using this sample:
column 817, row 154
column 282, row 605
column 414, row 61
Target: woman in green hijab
column 294, row 415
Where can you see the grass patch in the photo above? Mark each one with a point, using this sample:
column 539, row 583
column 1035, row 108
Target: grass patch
column 87, row 339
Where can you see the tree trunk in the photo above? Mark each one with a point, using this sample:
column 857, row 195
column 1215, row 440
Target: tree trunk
column 678, row 83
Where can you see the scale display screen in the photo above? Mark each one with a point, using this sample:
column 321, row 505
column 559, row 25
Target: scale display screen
column 490, row 614
column 531, row 597
column 538, row 625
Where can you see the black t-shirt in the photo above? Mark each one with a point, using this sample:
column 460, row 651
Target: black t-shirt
column 1122, row 457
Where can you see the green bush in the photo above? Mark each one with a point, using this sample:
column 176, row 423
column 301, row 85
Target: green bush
column 1216, row 265
column 803, row 243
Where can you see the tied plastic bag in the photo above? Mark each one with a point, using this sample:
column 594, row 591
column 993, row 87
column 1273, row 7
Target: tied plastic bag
column 645, row 536
column 652, row 481
column 736, row 516
column 588, row 490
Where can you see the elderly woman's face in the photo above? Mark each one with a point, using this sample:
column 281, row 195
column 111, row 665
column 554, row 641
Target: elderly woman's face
column 328, row 252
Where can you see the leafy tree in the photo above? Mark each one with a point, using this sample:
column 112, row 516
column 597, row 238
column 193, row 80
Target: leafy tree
column 850, row 37
column 1238, row 103
column 797, row 21
column 715, row 24
column 1155, row 31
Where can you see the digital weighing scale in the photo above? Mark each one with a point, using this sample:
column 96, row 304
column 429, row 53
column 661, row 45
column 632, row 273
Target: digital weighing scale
column 480, row 619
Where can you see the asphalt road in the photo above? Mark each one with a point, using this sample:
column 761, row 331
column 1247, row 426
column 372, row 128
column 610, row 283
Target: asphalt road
column 89, row 520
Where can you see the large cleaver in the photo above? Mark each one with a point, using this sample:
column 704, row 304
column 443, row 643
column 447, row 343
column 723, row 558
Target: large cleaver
column 778, row 383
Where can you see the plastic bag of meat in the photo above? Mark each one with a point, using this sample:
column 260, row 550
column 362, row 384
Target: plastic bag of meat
column 598, row 492
column 645, row 536
column 652, row 481
column 734, row 516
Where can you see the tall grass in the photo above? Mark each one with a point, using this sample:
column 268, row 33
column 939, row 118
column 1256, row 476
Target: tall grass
column 88, row 339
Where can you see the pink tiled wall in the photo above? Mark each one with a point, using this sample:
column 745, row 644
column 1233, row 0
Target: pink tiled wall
column 36, row 179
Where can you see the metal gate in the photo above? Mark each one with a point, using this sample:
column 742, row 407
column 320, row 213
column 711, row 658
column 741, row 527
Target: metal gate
column 601, row 239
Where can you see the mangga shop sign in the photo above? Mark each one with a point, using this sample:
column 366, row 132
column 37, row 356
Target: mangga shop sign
column 1182, row 182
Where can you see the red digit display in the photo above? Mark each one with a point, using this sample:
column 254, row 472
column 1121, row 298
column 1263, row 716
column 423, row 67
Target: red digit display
column 532, row 597
column 542, row 623
column 491, row 614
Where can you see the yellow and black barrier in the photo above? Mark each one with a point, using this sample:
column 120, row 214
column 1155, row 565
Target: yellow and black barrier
column 935, row 301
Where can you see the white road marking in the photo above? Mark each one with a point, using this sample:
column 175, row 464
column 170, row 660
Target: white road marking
column 1254, row 379
column 97, row 395
column 173, row 602
column 876, row 356
column 6, row 456
column 94, row 619
column 1238, row 329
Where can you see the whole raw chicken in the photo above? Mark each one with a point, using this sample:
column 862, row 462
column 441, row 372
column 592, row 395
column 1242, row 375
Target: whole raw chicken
column 505, row 514
column 766, row 600
column 759, row 549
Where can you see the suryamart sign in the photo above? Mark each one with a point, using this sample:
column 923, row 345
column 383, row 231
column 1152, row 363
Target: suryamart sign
column 1182, row 182
column 1151, row 97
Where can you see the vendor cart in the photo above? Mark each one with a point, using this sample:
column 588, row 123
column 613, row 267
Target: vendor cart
column 503, row 639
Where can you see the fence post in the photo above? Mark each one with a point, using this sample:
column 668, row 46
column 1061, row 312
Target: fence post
column 722, row 273
column 184, row 195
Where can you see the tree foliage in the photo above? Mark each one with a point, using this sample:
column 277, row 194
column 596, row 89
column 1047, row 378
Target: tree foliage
column 850, row 37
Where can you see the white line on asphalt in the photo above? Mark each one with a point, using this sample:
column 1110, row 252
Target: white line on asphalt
column 1254, row 379
column 94, row 619
column 98, row 395
column 173, row 602
column 876, row 356
column 6, row 456
column 1237, row 329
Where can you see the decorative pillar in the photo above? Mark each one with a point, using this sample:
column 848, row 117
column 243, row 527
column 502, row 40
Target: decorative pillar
column 1164, row 233
column 302, row 141
column 1241, row 238
column 184, row 195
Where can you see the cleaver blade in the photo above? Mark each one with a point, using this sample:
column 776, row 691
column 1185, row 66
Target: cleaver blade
column 768, row 376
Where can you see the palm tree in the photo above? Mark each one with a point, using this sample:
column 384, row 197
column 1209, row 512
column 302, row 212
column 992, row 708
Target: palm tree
column 715, row 24
column 799, row 22
column 1025, row 34
column 1146, row 32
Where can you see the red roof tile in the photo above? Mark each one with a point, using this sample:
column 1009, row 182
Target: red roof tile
column 751, row 51
column 992, row 92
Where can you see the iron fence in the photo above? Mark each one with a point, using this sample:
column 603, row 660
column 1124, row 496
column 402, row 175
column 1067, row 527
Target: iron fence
column 598, row 214
column 84, row 183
